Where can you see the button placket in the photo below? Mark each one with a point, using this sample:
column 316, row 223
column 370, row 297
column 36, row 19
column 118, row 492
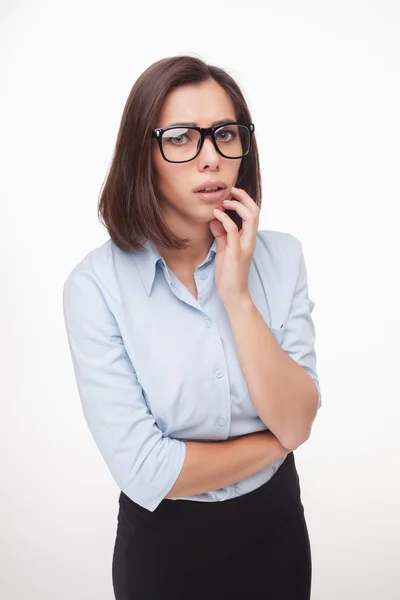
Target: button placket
column 222, row 420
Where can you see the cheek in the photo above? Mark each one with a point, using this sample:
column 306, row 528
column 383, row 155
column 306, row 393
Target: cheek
column 171, row 179
column 157, row 163
column 234, row 169
column 161, row 171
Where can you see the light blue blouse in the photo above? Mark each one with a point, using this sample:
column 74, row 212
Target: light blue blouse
column 155, row 367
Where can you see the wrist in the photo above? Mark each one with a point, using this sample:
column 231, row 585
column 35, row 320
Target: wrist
column 239, row 303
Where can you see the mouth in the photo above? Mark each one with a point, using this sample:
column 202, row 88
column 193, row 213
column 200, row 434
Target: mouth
column 210, row 187
column 212, row 194
column 208, row 190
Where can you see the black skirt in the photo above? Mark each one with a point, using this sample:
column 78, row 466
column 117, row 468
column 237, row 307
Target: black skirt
column 253, row 546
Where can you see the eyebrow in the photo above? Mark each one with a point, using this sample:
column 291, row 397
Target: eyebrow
column 215, row 124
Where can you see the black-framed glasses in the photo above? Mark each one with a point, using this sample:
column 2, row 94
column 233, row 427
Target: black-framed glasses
column 182, row 143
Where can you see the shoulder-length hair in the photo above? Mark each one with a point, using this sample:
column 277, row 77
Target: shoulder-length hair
column 130, row 201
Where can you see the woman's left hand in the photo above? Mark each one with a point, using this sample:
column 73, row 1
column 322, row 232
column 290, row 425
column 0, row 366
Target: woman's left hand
column 234, row 248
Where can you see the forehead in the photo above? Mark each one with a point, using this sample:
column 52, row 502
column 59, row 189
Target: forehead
column 202, row 104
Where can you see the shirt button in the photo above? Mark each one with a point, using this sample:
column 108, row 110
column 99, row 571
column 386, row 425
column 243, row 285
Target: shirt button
column 222, row 421
column 203, row 276
column 219, row 374
column 208, row 323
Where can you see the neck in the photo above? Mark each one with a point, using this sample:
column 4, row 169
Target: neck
column 200, row 241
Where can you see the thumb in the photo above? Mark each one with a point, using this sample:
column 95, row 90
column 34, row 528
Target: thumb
column 218, row 231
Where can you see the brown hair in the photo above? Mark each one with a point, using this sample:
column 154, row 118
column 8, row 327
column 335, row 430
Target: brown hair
column 129, row 203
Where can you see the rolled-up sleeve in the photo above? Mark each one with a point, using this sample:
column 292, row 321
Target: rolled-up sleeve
column 143, row 463
column 299, row 334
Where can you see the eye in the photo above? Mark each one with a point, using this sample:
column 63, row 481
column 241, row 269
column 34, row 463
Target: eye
column 178, row 136
column 226, row 135
column 178, row 140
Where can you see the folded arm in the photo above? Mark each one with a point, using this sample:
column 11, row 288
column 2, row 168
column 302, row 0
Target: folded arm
column 146, row 466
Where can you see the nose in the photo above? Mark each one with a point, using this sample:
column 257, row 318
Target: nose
column 208, row 155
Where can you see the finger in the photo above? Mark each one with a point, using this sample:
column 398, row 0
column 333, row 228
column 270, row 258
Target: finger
column 232, row 231
column 240, row 208
column 218, row 231
column 249, row 219
column 244, row 197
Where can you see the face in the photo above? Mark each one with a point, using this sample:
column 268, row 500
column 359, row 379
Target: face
column 203, row 105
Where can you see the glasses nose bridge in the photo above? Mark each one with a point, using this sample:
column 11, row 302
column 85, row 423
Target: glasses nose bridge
column 207, row 132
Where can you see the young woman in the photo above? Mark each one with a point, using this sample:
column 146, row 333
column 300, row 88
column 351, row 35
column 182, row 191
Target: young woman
column 193, row 349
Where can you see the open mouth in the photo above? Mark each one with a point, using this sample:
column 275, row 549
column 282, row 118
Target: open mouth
column 216, row 189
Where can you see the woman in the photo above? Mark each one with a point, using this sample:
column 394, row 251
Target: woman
column 193, row 348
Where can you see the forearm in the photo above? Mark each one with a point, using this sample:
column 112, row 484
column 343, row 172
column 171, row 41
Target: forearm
column 210, row 466
column 283, row 393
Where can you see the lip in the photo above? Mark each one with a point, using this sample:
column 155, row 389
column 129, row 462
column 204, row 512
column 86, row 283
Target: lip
column 212, row 196
column 210, row 184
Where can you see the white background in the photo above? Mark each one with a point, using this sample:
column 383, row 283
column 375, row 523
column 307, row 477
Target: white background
column 322, row 82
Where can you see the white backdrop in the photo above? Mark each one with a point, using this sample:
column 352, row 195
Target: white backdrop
column 322, row 81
